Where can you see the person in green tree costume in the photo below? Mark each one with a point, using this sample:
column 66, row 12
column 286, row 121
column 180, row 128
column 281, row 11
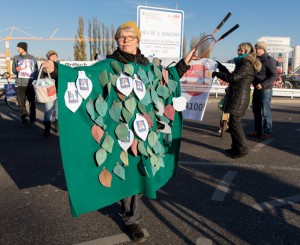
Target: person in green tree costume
column 120, row 128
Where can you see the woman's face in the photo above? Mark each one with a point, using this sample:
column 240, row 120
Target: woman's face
column 128, row 42
column 241, row 50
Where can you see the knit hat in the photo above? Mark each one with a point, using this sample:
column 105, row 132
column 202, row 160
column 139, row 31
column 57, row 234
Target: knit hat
column 23, row 46
column 262, row 45
column 131, row 24
column 50, row 52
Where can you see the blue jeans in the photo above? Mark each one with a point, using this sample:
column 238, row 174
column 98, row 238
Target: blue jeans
column 50, row 107
column 261, row 106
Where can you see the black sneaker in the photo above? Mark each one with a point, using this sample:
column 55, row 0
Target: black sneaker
column 25, row 121
column 137, row 234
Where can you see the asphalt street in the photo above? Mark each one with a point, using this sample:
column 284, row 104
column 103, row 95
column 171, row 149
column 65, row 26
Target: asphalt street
column 212, row 200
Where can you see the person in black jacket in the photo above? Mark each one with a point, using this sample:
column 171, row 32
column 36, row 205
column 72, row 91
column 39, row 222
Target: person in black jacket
column 262, row 95
column 238, row 94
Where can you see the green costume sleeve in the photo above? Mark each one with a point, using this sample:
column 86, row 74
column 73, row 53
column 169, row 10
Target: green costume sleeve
column 98, row 171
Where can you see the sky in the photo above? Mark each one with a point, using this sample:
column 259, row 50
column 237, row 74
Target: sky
column 257, row 18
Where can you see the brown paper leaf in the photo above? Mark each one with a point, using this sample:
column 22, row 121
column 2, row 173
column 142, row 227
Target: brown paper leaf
column 97, row 133
column 105, row 178
column 165, row 75
column 148, row 119
column 134, row 147
column 169, row 112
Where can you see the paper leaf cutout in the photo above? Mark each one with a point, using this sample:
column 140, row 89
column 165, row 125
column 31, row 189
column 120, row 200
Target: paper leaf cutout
column 126, row 115
column 154, row 96
column 125, row 144
column 162, row 91
column 157, row 72
column 101, row 106
column 165, row 127
column 152, row 118
column 141, row 107
column 152, row 138
column 122, row 131
column 158, row 148
column 99, row 122
column 130, row 105
column 134, row 147
column 103, row 78
column 113, row 79
column 116, row 66
column 150, row 76
column 101, row 155
column 120, row 95
column 160, row 162
column 169, row 112
column 155, row 83
column 105, row 178
column 149, row 151
column 148, row 119
column 179, row 103
column 153, row 160
column 141, row 148
column 124, row 158
column 97, row 133
column 165, row 119
column 115, row 112
column 172, row 85
column 160, row 107
column 108, row 143
column 165, row 76
column 147, row 99
column 128, row 69
column 143, row 76
column 119, row 171
column 140, row 126
column 154, row 169
column 167, row 138
column 90, row 109
column 108, row 86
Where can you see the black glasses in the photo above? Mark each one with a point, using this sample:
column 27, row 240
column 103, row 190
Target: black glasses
column 128, row 38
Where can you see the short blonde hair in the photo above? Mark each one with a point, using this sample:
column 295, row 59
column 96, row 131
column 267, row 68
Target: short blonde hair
column 128, row 26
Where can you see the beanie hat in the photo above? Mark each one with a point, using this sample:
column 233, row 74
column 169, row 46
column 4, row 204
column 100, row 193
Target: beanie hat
column 22, row 45
column 131, row 24
column 50, row 52
column 262, row 45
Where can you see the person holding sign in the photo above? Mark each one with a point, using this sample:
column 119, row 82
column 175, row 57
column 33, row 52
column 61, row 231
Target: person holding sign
column 238, row 94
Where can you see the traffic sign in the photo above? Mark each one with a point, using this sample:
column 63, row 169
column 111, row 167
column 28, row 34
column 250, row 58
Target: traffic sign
column 278, row 49
column 277, row 41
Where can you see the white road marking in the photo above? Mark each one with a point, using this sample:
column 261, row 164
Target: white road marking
column 203, row 241
column 276, row 203
column 111, row 240
column 243, row 165
column 223, row 187
column 261, row 145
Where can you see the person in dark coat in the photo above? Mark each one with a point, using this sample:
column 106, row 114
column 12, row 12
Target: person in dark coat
column 238, row 94
column 262, row 95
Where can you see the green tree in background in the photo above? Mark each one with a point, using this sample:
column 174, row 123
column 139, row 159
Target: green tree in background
column 79, row 46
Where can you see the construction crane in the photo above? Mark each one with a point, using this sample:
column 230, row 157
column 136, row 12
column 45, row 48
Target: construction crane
column 34, row 38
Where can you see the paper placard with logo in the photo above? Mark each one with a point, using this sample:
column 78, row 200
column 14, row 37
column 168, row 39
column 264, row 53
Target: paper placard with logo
column 195, row 87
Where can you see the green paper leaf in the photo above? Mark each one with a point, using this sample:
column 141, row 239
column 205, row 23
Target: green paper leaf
column 116, row 66
column 157, row 72
column 130, row 104
column 108, row 143
column 101, row 156
column 119, row 171
column 147, row 99
column 101, row 106
column 167, row 138
column 128, row 69
column 149, row 151
column 153, row 160
column 99, row 121
column 151, row 115
column 160, row 161
column 155, row 83
column 143, row 76
column 150, row 76
column 154, row 169
column 141, row 148
column 141, row 107
column 122, row 131
column 124, row 158
column 154, row 96
column 162, row 91
column 115, row 112
column 152, row 138
column 103, row 78
column 126, row 115
column 90, row 109
column 113, row 79
column 108, row 87
column 172, row 85
column 158, row 148
column 165, row 119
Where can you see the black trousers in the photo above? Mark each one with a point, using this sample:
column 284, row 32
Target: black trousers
column 239, row 143
column 26, row 93
column 130, row 207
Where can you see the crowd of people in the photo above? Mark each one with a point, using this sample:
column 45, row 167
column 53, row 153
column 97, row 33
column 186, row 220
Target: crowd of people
column 253, row 66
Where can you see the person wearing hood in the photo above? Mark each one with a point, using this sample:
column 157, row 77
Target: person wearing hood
column 238, row 94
